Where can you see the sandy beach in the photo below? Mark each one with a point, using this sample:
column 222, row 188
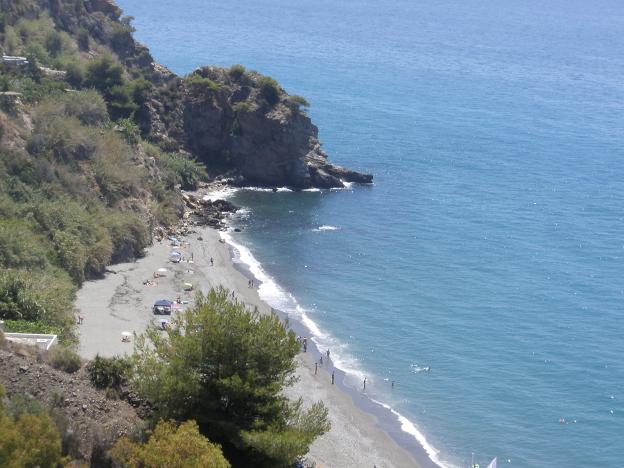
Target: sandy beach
column 121, row 302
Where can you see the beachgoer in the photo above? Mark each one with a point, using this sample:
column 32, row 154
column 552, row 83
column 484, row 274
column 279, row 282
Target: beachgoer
column 364, row 383
column 321, row 360
column 332, row 377
column 328, row 354
column 211, row 261
column 315, row 368
column 305, row 345
column 393, row 384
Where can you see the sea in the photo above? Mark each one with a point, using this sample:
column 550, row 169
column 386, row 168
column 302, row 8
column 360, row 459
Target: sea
column 483, row 271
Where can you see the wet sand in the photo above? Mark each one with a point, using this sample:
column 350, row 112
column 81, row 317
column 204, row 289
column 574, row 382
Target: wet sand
column 120, row 302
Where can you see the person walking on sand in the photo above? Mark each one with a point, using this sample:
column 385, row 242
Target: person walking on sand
column 321, row 360
column 315, row 368
column 333, row 377
column 211, row 262
column 364, row 383
column 328, row 354
column 305, row 345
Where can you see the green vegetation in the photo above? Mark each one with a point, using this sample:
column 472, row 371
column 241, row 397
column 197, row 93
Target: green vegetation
column 28, row 436
column 172, row 447
column 37, row 301
column 181, row 169
column 297, row 102
column 236, row 71
column 200, row 84
column 109, row 373
column 269, row 89
column 242, row 106
column 64, row 359
column 226, row 366
column 24, row 326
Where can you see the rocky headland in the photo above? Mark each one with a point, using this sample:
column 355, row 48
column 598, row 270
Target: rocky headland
column 241, row 124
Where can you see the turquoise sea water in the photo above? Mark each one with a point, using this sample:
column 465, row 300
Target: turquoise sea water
column 491, row 247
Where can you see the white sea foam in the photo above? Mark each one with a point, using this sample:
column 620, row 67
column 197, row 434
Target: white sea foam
column 222, row 193
column 409, row 427
column 325, row 227
column 278, row 298
column 311, row 190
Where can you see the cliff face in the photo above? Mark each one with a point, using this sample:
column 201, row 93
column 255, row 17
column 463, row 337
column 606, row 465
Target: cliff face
column 229, row 120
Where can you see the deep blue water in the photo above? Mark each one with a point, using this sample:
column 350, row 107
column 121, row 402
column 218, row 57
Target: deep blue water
column 491, row 246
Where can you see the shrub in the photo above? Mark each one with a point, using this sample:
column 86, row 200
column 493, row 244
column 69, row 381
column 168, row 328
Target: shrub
column 170, row 446
column 243, row 107
column 109, row 372
column 107, row 76
column 53, row 43
column 128, row 233
column 75, row 74
column 18, row 297
column 20, row 247
column 227, row 367
column 87, row 106
column 24, row 326
column 29, row 440
column 19, row 405
column 83, row 39
column 269, row 89
column 182, row 170
column 64, row 359
column 129, row 130
column 297, row 102
column 199, row 84
column 62, row 137
column 236, row 71
column 104, row 74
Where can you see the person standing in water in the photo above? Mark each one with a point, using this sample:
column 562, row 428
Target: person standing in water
column 328, row 354
column 364, row 383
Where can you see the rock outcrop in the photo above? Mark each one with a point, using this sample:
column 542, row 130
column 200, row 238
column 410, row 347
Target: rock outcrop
column 230, row 121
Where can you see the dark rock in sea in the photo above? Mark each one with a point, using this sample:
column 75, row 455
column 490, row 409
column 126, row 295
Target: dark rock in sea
column 237, row 230
column 213, row 213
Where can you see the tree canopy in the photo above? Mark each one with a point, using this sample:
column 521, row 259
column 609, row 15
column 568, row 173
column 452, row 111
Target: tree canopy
column 171, row 447
column 227, row 366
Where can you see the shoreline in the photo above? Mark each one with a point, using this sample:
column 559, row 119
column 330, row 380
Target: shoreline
column 364, row 432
